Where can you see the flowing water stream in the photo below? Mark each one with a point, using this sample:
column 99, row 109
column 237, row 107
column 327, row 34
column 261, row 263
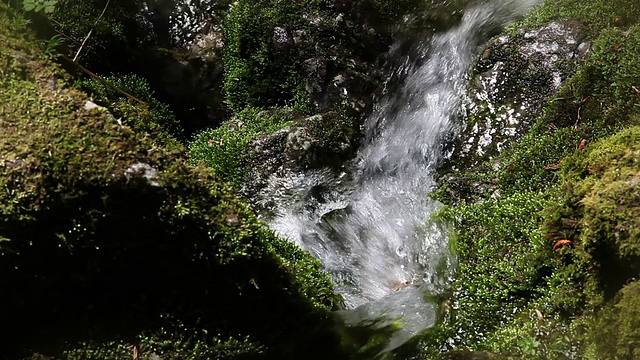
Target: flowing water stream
column 370, row 226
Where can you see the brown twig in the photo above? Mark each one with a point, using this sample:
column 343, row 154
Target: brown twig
column 75, row 58
column 102, row 81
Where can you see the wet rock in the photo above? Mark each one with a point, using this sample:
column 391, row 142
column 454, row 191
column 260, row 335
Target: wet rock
column 142, row 171
column 515, row 77
column 89, row 105
column 281, row 38
column 321, row 141
column 315, row 73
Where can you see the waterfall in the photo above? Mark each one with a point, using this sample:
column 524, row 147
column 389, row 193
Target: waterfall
column 370, row 226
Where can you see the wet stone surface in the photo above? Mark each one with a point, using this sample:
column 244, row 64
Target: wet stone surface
column 516, row 75
column 323, row 141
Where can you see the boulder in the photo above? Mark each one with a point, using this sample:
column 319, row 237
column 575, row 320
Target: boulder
column 515, row 77
column 315, row 142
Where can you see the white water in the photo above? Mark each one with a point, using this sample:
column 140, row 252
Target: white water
column 370, row 228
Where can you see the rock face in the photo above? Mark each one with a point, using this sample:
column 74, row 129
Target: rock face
column 320, row 57
column 322, row 54
column 514, row 79
column 344, row 73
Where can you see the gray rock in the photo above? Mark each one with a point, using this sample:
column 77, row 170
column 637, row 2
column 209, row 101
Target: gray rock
column 323, row 141
column 142, row 171
column 89, row 105
column 515, row 77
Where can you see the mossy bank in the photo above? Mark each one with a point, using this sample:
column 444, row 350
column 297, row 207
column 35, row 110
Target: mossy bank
column 110, row 240
column 546, row 231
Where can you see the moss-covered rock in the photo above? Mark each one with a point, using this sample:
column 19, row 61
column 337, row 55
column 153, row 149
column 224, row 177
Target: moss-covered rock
column 105, row 235
column 256, row 146
column 130, row 99
column 325, row 141
column 600, row 207
column 279, row 53
column 617, row 329
column 561, row 204
column 514, row 79
column 225, row 149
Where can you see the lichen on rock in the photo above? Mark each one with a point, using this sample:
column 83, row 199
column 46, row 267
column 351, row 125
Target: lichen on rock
column 516, row 75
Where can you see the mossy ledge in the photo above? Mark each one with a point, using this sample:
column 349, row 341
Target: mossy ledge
column 108, row 239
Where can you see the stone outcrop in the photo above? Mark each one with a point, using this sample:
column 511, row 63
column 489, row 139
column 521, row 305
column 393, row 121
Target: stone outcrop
column 516, row 75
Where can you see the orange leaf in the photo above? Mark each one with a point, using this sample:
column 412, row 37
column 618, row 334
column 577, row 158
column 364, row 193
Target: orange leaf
column 583, row 142
column 561, row 243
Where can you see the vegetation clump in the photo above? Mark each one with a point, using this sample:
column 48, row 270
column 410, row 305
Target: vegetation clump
column 255, row 73
column 225, row 149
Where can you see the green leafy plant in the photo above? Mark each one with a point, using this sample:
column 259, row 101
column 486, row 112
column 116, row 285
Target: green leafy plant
column 528, row 345
column 52, row 44
column 45, row 6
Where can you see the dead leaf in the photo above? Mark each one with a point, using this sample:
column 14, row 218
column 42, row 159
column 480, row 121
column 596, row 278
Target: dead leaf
column 561, row 243
column 582, row 144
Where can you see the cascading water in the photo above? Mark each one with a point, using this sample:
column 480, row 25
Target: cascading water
column 370, row 227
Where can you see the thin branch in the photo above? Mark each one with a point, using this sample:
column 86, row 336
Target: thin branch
column 102, row 81
column 59, row 31
column 75, row 58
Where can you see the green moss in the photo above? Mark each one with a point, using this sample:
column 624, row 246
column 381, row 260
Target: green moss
column 603, row 88
column 500, row 265
column 617, row 328
column 598, row 14
column 105, row 235
column 169, row 343
column 579, row 165
column 255, row 142
column 225, row 148
column 153, row 118
column 599, row 208
column 596, row 102
column 256, row 72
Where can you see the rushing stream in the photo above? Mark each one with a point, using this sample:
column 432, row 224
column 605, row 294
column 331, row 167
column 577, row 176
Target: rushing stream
column 370, row 226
